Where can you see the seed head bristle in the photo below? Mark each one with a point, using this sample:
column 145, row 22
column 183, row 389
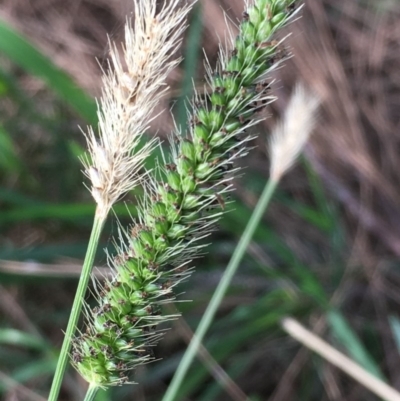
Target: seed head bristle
column 132, row 88
column 292, row 133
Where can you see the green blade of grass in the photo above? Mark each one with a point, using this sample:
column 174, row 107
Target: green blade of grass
column 349, row 339
column 22, row 339
column 9, row 161
column 24, row 54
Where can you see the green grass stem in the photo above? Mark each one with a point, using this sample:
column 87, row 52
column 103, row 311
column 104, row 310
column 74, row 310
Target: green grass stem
column 91, row 393
column 220, row 291
column 98, row 224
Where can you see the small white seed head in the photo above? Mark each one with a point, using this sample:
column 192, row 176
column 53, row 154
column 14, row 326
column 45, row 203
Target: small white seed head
column 291, row 134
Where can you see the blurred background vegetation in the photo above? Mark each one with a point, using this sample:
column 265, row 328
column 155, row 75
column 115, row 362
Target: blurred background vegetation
column 327, row 252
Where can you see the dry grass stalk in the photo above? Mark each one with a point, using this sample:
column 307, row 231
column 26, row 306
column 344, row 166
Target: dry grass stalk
column 316, row 344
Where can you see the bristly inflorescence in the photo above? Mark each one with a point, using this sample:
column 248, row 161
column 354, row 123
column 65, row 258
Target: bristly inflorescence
column 289, row 137
column 132, row 88
column 183, row 199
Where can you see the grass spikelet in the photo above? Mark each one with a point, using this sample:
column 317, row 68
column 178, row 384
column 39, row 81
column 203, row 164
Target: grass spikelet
column 131, row 90
column 290, row 136
column 183, row 199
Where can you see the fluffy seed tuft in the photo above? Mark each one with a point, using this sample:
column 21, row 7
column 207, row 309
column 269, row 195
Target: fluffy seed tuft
column 290, row 136
column 131, row 90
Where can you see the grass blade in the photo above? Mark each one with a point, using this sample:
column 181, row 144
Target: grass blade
column 24, row 54
column 349, row 339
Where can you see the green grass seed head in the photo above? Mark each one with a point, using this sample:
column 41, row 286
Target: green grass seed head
column 181, row 207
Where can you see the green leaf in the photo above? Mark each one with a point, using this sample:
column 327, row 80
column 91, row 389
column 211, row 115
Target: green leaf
column 21, row 339
column 9, row 160
column 350, row 341
column 24, row 54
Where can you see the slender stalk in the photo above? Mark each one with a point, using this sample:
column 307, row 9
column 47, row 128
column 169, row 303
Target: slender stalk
column 220, row 291
column 98, row 224
column 347, row 365
column 91, row 393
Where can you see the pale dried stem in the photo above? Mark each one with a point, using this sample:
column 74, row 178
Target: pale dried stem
column 316, row 344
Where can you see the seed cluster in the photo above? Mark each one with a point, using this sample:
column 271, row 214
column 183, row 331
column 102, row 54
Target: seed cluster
column 132, row 89
column 181, row 204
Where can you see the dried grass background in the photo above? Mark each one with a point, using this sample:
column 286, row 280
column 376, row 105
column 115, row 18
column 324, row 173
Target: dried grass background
column 348, row 52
